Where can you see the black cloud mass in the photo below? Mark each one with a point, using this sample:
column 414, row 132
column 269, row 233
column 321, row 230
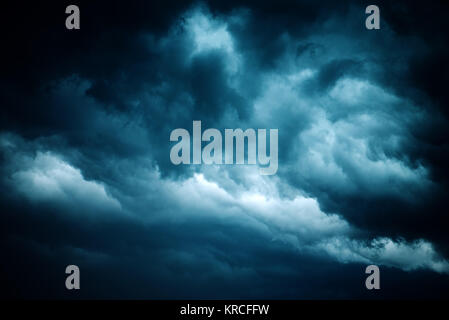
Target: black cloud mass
column 86, row 176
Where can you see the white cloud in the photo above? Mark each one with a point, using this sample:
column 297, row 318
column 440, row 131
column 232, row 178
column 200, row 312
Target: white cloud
column 356, row 92
column 209, row 33
column 419, row 254
column 299, row 223
column 47, row 178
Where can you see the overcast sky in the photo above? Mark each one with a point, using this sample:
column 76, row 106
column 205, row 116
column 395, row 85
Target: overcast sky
column 85, row 167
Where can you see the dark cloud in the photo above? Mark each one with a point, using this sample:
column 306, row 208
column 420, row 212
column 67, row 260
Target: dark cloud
column 362, row 119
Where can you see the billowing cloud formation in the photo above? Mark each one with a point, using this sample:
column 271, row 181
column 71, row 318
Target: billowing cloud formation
column 50, row 179
column 85, row 154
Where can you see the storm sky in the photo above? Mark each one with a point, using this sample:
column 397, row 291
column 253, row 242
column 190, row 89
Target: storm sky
column 85, row 167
